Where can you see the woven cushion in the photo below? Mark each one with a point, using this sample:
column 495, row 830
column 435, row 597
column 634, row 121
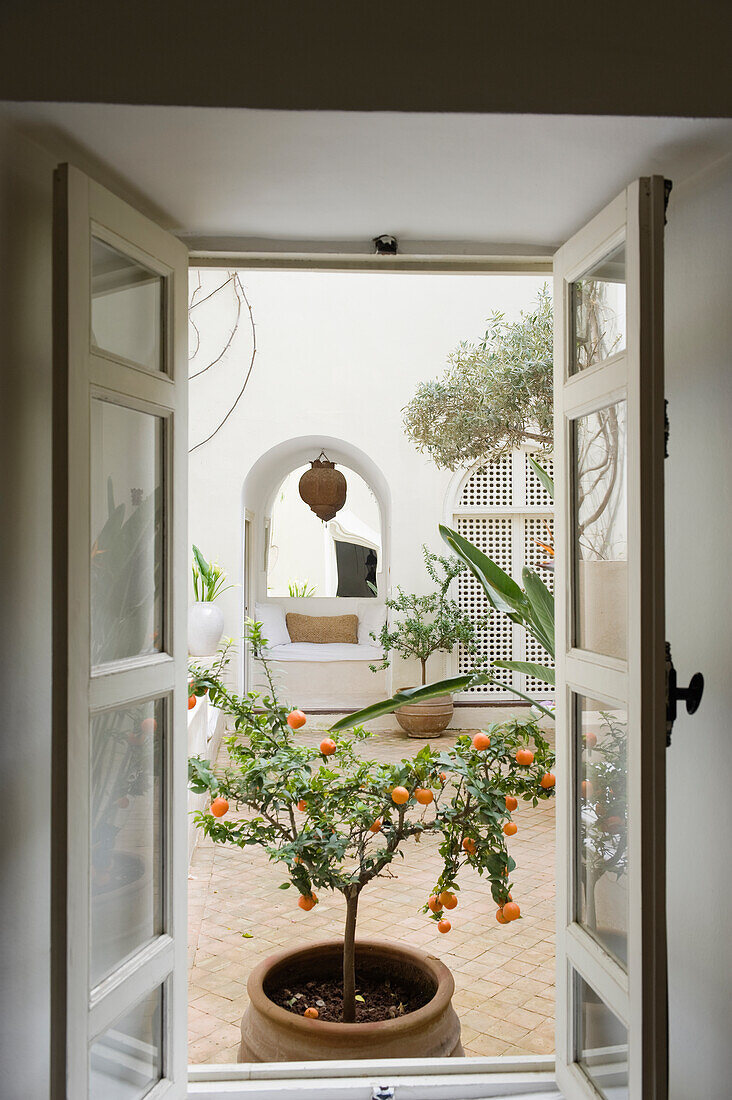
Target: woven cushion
column 322, row 629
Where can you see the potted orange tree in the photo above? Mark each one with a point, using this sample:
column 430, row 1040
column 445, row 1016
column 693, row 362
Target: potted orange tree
column 335, row 820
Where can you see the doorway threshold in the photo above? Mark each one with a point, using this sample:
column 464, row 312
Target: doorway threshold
column 398, row 1079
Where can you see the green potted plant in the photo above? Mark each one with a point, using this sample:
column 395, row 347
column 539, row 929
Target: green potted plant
column 334, row 820
column 205, row 620
column 419, row 626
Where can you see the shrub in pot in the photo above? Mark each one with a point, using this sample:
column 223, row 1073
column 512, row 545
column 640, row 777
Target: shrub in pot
column 336, row 821
column 417, row 627
column 205, row 619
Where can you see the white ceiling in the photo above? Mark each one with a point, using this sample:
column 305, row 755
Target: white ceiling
column 522, row 180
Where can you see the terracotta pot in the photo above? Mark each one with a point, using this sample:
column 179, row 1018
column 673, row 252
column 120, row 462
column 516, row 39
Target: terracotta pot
column 272, row 1034
column 426, row 719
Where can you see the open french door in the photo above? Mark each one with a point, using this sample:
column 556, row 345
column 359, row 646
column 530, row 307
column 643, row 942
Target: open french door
column 119, row 917
column 609, row 444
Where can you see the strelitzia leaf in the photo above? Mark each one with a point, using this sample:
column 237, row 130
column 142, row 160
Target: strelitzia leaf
column 543, row 476
column 409, row 695
column 502, row 591
column 539, row 672
column 542, row 608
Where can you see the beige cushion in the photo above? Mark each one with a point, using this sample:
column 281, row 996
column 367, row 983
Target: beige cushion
column 322, row 628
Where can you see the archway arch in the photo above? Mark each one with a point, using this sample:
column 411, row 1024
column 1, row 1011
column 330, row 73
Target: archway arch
column 259, row 490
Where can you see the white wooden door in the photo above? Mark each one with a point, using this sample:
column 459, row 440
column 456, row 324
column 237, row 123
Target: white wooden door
column 609, row 440
column 120, row 498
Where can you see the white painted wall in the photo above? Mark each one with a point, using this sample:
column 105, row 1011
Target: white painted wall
column 699, row 627
column 339, row 355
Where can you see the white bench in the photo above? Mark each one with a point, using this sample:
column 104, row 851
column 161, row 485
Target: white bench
column 324, row 676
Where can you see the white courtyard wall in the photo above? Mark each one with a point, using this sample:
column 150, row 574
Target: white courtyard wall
column 339, row 355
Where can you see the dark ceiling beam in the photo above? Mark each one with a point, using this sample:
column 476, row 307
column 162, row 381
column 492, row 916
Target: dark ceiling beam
column 629, row 57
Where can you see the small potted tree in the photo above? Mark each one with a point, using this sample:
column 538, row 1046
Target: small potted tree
column 421, row 626
column 336, row 821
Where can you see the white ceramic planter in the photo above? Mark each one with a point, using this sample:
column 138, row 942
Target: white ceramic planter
column 205, row 627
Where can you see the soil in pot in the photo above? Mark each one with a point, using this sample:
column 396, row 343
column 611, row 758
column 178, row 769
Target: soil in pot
column 383, row 998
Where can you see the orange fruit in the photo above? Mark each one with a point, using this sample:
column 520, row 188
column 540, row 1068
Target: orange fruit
column 511, row 911
column 525, row 757
column 311, row 1013
column 149, row 725
column 500, row 917
column 613, row 823
column 443, row 925
column 219, row 806
column 307, row 903
column 547, row 781
column 302, row 805
column 327, row 746
column 424, row 796
column 448, row 899
column 376, row 827
column 511, row 802
column 510, row 828
column 469, row 845
column 586, row 788
column 481, row 742
column 434, row 903
column 443, row 777
column 590, row 739
column 295, row 719
column 191, row 702
column 400, row 795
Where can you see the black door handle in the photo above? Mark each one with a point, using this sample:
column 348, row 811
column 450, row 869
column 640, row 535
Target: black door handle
column 691, row 695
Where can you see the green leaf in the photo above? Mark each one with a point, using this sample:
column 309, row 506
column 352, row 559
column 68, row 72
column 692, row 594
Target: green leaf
column 514, row 691
column 358, row 997
column 203, row 565
column 409, row 695
column 502, row 591
column 542, row 608
column 284, row 886
column 247, row 936
column 539, row 672
column 543, row 476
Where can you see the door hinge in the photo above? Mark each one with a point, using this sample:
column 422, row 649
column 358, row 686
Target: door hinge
column 666, row 428
column 667, row 187
column 691, row 695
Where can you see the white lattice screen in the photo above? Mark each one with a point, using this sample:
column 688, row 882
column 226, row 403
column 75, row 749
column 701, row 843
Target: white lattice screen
column 505, row 511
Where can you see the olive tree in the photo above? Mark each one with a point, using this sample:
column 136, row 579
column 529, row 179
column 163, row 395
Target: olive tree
column 495, row 394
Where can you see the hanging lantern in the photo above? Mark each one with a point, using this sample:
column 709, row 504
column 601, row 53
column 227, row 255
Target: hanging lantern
column 323, row 488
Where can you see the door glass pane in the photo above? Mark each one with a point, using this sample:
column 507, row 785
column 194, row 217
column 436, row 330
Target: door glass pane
column 601, row 1043
column 598, row 312
column 127, row 807
column 601, row 531
column 127, row 306
column 126, row 1060
column 601, row 857
column 127, row 527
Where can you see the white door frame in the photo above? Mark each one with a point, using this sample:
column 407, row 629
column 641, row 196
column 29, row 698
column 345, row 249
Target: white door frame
column 85, row 374
column 636, row 995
